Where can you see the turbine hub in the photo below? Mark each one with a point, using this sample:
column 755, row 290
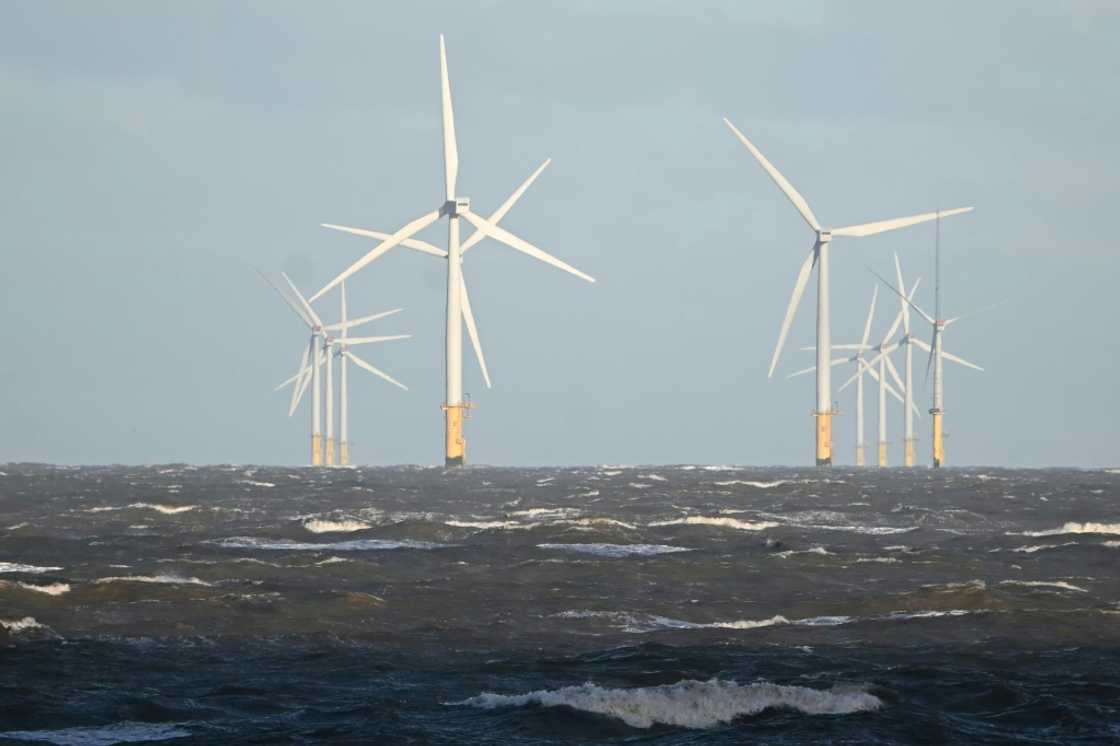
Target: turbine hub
column 824, row 236
column 455, row 207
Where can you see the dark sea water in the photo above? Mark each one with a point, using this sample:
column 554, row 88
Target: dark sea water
column 671, row 604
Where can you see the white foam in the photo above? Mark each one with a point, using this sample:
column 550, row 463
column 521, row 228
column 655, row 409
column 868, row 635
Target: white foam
column 1060, row 584
column 15, row 626
column 1076, row 528
column 653, row 477
column 638, row 485
column 158, row 507
column 689, row 703
column 1031, row 549
column 722, row 521
column 880, row 560
column 52, row 589
column 1111, row 544
column 749, row 483
column 593, row 522
column 257, row 484
column 161, row 578
column 488, row 525
column 320, row 526
column 19, row 567
column 357, row 545
column 811, row 550
column 15, row 526
column 616, row 550
column 547, row 512
column 124, row 732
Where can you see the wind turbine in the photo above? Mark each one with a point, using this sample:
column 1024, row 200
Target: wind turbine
column 907, row 342
column 937, row 354
column 818, row 257
column 459, row 312
column 318, row 354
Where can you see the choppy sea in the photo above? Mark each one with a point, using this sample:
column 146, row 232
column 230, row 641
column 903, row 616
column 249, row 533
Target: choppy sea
column 609, row 604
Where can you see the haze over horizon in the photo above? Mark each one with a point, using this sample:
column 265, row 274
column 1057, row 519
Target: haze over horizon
column 156, row 154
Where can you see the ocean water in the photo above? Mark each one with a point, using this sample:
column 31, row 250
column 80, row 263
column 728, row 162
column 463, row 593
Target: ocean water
column 609, row 604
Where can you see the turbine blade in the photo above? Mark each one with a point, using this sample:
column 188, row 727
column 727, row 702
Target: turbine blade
column 500, row 213
column 798, row 291
column 902, row 287
column 783, row 184
column 835, row 361
column 960, row 361
column 287, row 300
column 521, row 245
column 894, row 374
column 411, row 243
column 407, row 231
column 920, row 343
column 288, row 381
column 342, row 318
column 955, row 319
column 299, row 390
column 893, row 328
column 450, row 148
column 302, row 367
column 890, row 390
column 472, row 330
column 861, row 368
column 380, row 374
column 375, row 340
column 344, row 325
column 303, row 301
column 880, row 226
column 870, row 315
column 897, row 292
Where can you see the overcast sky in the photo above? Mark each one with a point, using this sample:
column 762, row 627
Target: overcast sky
column 154, row 153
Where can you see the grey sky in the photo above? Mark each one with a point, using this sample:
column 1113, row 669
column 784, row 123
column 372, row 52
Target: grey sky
column 155, row 152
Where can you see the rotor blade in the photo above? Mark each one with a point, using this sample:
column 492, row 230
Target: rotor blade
column 472, row 330
column 894, row 328
column 861, row 368
column 298, row 392
column 500, row 213
column 973, row 313
column 794, row 196
column 870, row 315
column 890, row 390
column 920, row 343
column 835, row 361
column 288, row 381
column 375, row 340
column 302, row 367
column 902, row 287
column 798, row 291
column 960, row 361
column 344, row 325
column 342, row 318
column 894, row 373
column 880, row 226
column 380, row 374
column 303, row 301
column 897, row 292
column 450, row 148
column 414, row 227
column 287, row 300
column 521, row 245
column 844, row 347
column 411, row 243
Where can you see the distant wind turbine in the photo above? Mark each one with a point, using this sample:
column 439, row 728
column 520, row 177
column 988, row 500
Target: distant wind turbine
column 818, row 257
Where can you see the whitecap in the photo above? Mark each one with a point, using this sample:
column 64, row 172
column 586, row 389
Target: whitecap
column 593, row 522
column 1111, row 544
column 722, row 521
column 320, row 526
column 253, row 483
column 251, row 542
column 616, row 550
column 1073, row 527
column 487, row 525
column 158, row 507
column 1031, row 549
column 879, row 560
column 162, row 578
column 547, row 512
column 688, row 703
column 15, row 626
column 19, row 567
column 638, row 485
column 653, row 477
column 811, row 550
column 15, row 526
column 51, row 589
column 124, row 732
column 1060, row 584
column 749, row 483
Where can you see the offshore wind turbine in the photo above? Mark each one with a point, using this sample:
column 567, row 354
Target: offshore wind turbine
column 454, row 207
column 937, row 356
column 317, row 355
column 819, row 258
column 907, row 343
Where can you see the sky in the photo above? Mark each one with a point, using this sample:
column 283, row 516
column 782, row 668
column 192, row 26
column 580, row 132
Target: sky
column 156, row 153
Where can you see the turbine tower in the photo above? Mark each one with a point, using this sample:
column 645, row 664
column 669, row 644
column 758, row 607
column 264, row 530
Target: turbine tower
column 907, row 342
column 819, row 258
column 454, row 207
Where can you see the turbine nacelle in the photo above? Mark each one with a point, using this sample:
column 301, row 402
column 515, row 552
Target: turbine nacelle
column 824, row 236
column 453, row 208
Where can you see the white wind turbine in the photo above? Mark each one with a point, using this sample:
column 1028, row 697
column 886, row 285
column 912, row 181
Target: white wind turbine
column 818, row 257
column 907, row 342
column 320, row 349
column 453, row 207
column 937, row 356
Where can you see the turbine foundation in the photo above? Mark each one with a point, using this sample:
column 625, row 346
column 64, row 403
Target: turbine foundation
column 882, row 454
column 909, row 458
column 330, row 451
column 455, row 445
column 316, row 450
column 344, row 453
column 824, row 437
column 938, row 444
column 861, row 459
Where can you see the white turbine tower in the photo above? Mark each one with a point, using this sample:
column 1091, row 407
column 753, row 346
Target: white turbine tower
column 818, row 257
column 453, row 207
column 319, row 350
column 907, row 343
column 937, row 356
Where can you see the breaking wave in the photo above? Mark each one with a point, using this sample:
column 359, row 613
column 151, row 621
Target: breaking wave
column 1073, row 527
column 356, row 545
column 616, row 550
column 158, row 507
column 689, row 703
column 16, row 626
column 163, row 579
column 19, row 567
column 320, row 526
column 1060, row 584
column 125, row 732
column 722, row 521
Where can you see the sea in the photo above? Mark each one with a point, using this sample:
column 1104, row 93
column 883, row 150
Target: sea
column 682, row 604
